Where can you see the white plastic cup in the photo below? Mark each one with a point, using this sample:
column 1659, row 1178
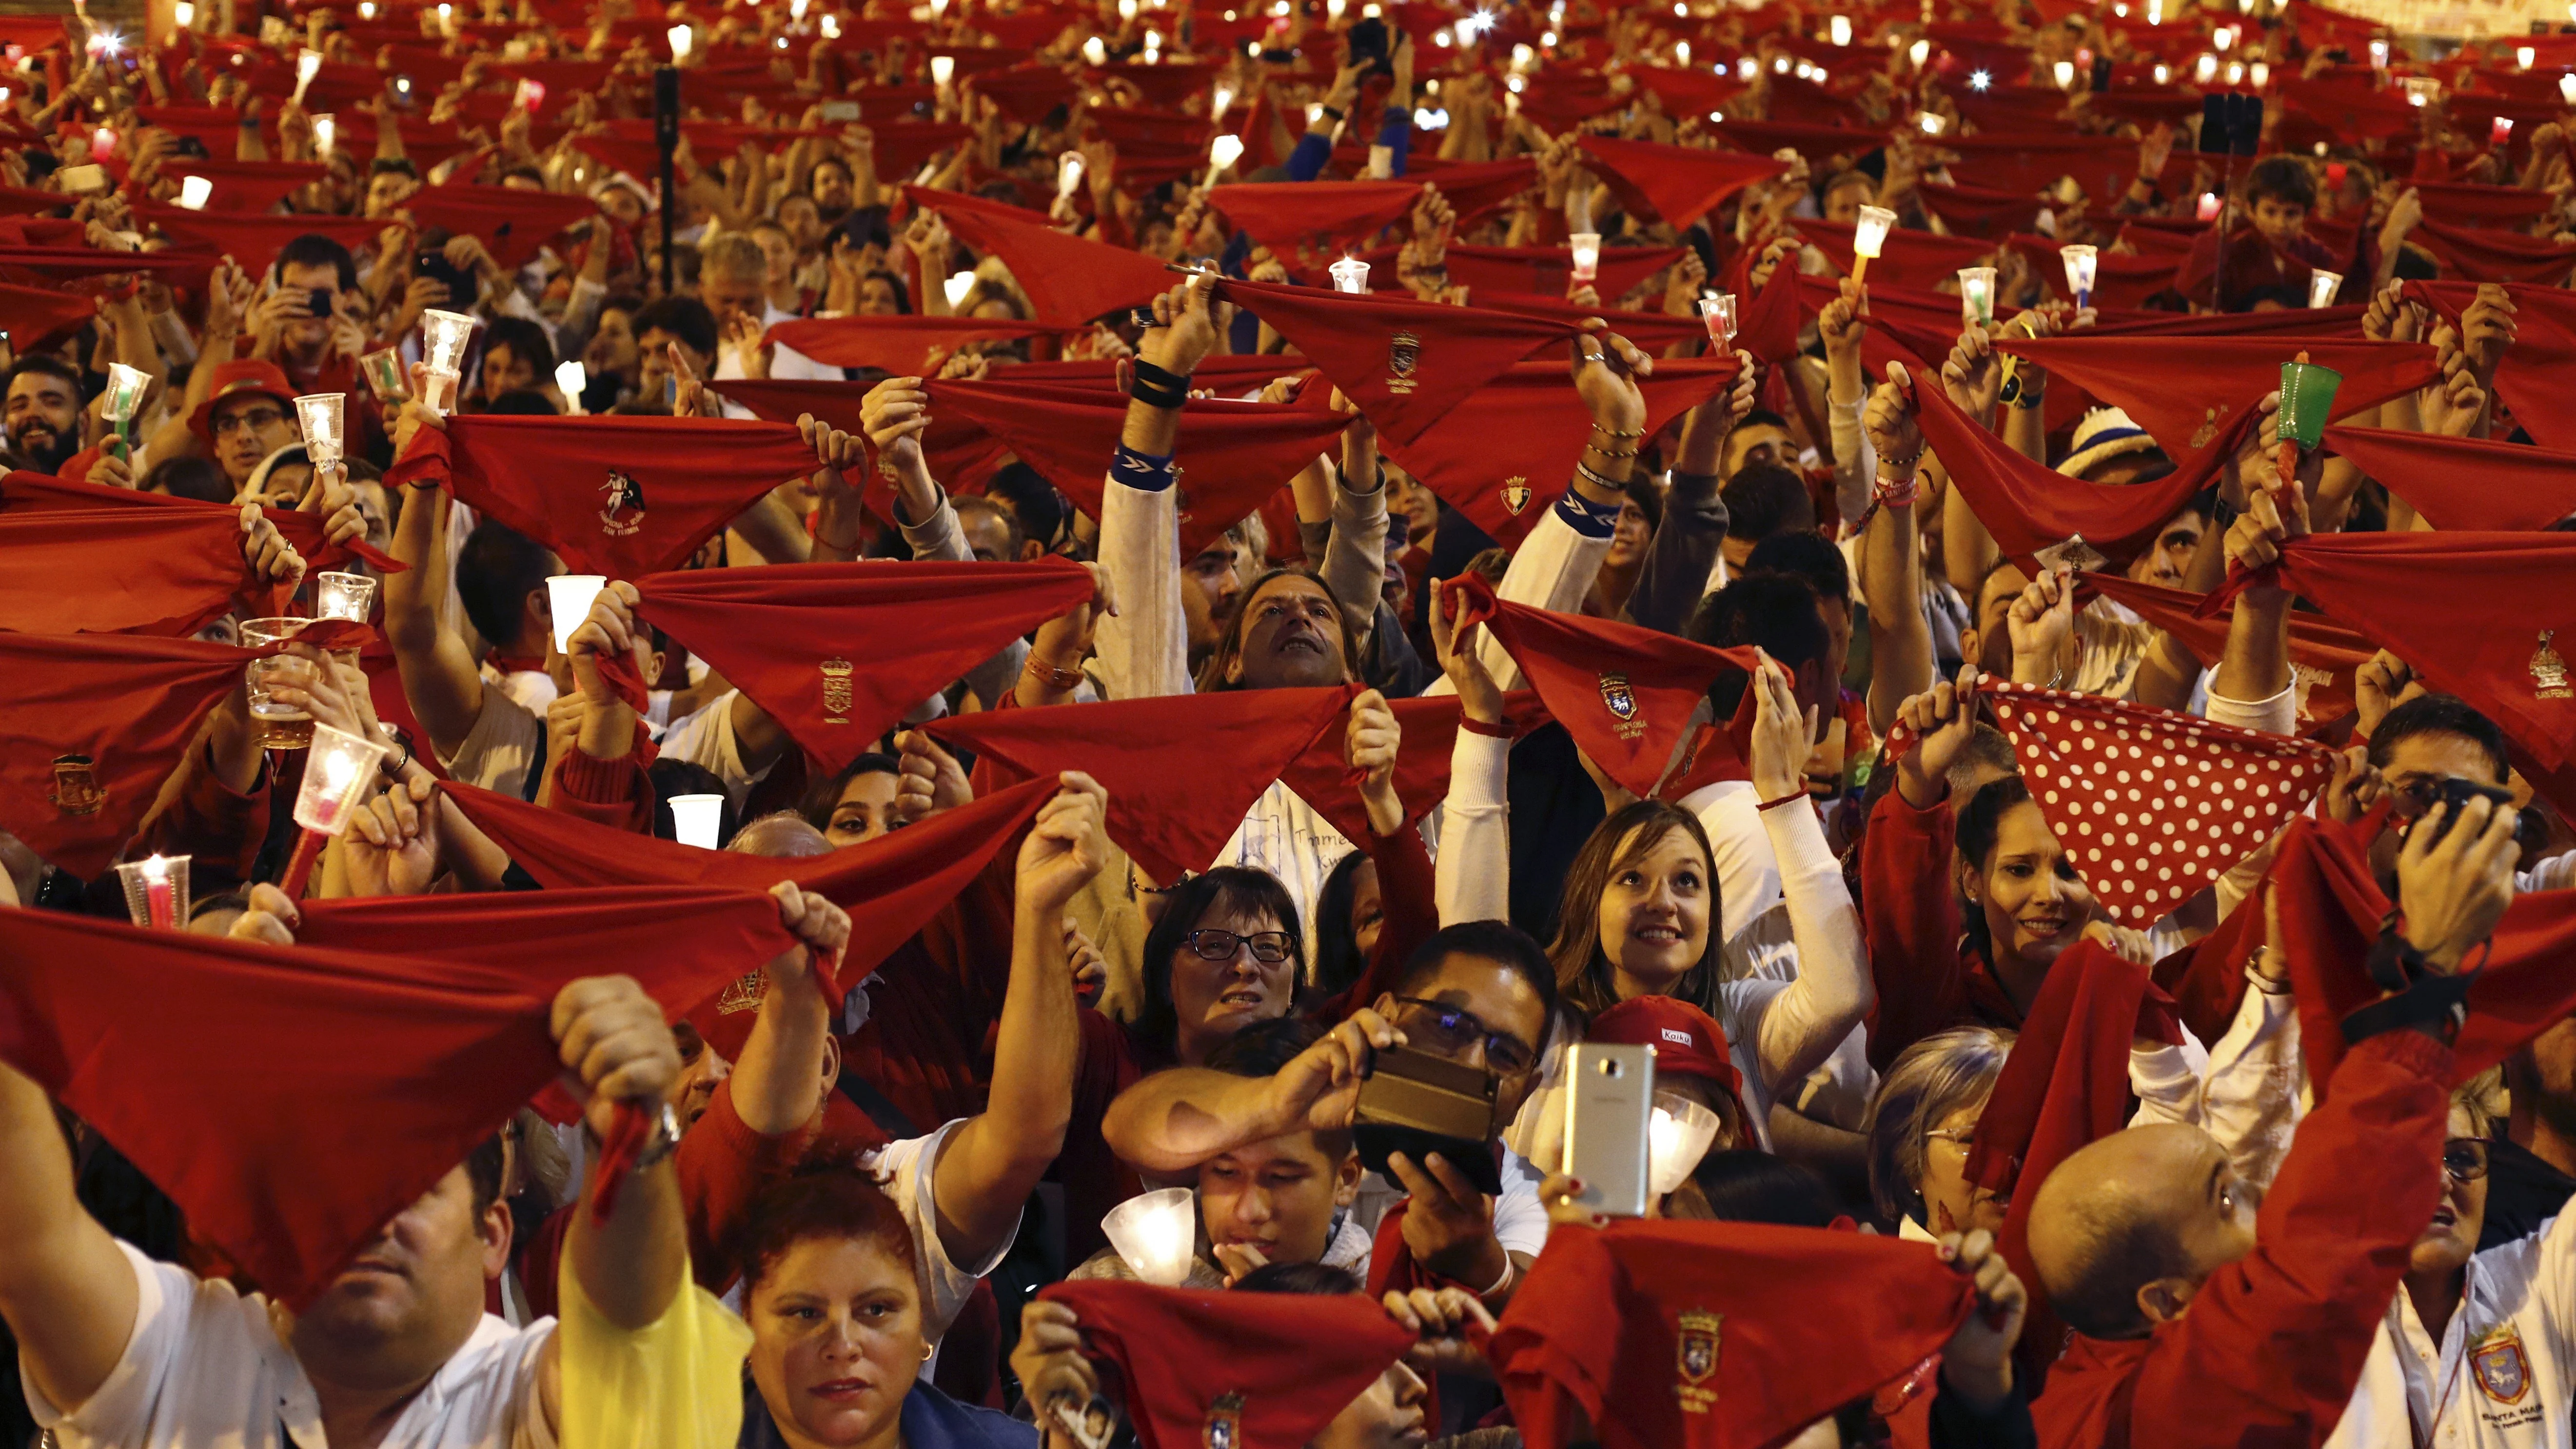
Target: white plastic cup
column 343, row 596
column 156, row 891
column 571, row 596
column 698, row 819
column 1679, row 1136
column 1350, row 274
column 335, row 775
column 1586, row 246
column 324, row 418
column 1156, row 1233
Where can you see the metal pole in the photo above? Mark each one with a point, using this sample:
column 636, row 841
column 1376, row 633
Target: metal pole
column 666, row 139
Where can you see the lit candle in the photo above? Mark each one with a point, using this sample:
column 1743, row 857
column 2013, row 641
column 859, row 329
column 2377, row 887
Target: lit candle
column 831, row 27
column 343, row 596
column 698, row 819
column 2236, row 73
column 2567, row 89
column 2205, row 69
column 307, row 66
column 1869, row 234
column 1977, row 295
column 1840, row 29
column 384, row 373
column 682, row 38
column 2208, row 206
column 1677, row 1138
column 570, row 597
column 2379, row 55
column 958, row 287
column 531, row 95
column 156, row 891
column 1095, row 51
column 1155, row 1233
column 1223, row 152
column 2081, row 262
column 443, row 339
column 942, row 67
column 323, row 416
column 335, row 775
column 2223, row 39
column 1586, row 246
column 1068, row 173
column 159, row 902
column 1933, row 123
column 1717, row 310
column 1920, row 52
column 2065, row 72
column 572, row 380
column 124, row 394
column 2163, row 73
column 2322, row 287
column 184, row 14
column 1350, row 274
column 326, row 133
column 2524, row 55
column 2501, row 133
column 2261, row 71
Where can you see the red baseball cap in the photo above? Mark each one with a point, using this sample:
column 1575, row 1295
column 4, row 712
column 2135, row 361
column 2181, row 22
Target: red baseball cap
column 232, row 379
column 1687, row 1042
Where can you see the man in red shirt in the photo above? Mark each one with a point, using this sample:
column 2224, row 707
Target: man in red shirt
column 2204, row 1314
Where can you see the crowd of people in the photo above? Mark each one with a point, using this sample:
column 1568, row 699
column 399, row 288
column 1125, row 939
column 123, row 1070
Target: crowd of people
column 1345, row 723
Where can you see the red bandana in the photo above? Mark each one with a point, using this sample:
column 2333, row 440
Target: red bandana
column 2064, row 1085
column 1475, row 188
column 2418, row 596
column 1681, row 184
column 1323, row 778
column 2480, row 254
column 1546, row 270
column 1909, row 258
column 2331, row 909
column 92, row 724
column 252, row 240
column 2028, row 506
column 890, row 886
column 248, row 186
column 960, row 453
column 836, row 652
column 1404, row 363
column 2190, row 392
column 1233, row 1370
column 35, row 317
column 30, row 493
column 2462, row 204
column 907, row 346
column 1296, row 218
column 2119, row 280
column 25, row 263
column 1818, row 144
column 1980, row 210
column 1653, row 331
column 2466, row 483
column 2152, row 805
column 512, row 222
column 1531, row 421
column 1715, row 1335
column 2028, row 161
column 1026, row 93
column 2538, row 376
column 119, row 570
column 1170, row 808
column 1230, row 455
column 1623, row 692
column 2323, row 654
column 1767, row 321
column 618, row 496
column 1069, row 279
column 290, row 1169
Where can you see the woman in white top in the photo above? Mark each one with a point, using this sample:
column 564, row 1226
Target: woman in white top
column 1641, row 903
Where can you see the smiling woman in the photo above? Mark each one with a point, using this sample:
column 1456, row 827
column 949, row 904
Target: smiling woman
column 837, row 1334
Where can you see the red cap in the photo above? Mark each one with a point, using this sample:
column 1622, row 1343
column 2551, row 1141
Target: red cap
column 1688, row 1042
column 232, row 379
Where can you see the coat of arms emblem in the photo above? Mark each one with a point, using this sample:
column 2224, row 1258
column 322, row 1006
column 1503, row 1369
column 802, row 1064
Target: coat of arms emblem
column 1516, row 495
column 623, row 512
column 2549, row 670
column 76, row 789
column 1403, row 352
column 836, row 690
column 1618, row 697
column 2503, row 1372
column 1224, row 1423
column 1697, row 1356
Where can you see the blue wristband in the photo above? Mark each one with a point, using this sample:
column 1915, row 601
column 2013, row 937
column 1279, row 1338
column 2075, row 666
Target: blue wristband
column 1592, row 520
column 1149, row 474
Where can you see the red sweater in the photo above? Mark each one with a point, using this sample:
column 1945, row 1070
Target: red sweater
column 2273, row 1343
column 1928, row 980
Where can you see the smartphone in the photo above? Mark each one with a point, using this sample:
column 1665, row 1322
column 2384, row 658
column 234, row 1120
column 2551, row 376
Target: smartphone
column 1609, row 1126
column 1417, row 1104
column 85, row 180
column 461, row 289
column 840, row 113
column 2101, row 73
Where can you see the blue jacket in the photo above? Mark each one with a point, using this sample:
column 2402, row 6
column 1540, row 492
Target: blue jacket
column 931, row 1420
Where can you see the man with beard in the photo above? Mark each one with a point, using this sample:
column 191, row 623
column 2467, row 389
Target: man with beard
column 43, row 411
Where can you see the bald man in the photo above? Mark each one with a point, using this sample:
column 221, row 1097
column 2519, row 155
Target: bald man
column 2204, row 1314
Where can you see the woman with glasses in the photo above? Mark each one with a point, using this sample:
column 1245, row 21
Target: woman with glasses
column 1921, row 1127
column 1224, row 954
column 2476, row 1347
column 1640, row 906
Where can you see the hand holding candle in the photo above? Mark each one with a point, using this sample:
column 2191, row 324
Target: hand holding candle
column 156, row 891
column 443, row 339
column 336, row 773
column 1586, row 246
column 1869, row 237
column 1977, row 296
column 1717, row 309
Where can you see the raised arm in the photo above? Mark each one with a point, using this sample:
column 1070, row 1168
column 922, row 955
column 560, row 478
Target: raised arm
column 1684, row 552
column 439, row 679
column 66, row 1289
column 988, row 1167
column 1174, row 1120
column 1891, row 557
column 1473, row 874
column 1144, row 649
column 1832, row 991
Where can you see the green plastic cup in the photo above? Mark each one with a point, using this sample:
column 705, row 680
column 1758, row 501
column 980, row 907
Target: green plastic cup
column 2307, row 401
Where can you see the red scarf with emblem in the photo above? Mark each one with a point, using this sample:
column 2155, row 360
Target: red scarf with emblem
column 1715, row 1335
column 1181, row 772
column 292, row 1168
column 836, row 652
column 619, row 496
column 1246, row 1370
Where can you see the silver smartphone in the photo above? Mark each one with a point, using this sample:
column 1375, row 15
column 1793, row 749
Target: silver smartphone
column 1609, row 1126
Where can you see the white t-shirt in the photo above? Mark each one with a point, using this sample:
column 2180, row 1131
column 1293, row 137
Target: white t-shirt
column 205, row 1370
column 502, row 747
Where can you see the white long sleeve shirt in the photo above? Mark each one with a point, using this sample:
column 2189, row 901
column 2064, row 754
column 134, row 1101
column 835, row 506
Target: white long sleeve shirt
column 2498, row 1378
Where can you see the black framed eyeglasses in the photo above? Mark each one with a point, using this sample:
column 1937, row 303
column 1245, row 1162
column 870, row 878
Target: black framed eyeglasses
column 1450, row 1031
column 1209, row 944
column 2465, row 1158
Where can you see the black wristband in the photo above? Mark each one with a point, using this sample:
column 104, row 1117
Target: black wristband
column 1154, row 387
column 1331, row 111
column 2418, row 995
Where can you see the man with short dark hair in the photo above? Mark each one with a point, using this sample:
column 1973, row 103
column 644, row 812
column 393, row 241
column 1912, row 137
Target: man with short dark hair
column 1480, row 994
column 1763, row 500
column 517, row 357
column 309, row 323
column 42, row 411
column 682, row 322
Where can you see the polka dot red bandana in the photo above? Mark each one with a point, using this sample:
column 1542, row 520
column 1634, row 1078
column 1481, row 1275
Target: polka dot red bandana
column 2151, row 805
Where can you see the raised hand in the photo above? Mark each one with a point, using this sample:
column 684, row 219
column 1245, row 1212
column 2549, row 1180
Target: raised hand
column 614, row 1045
column 2042, row 622
column 1784, row 735
column 1371, row 747
column 1065, row 846
column 1942, row 719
